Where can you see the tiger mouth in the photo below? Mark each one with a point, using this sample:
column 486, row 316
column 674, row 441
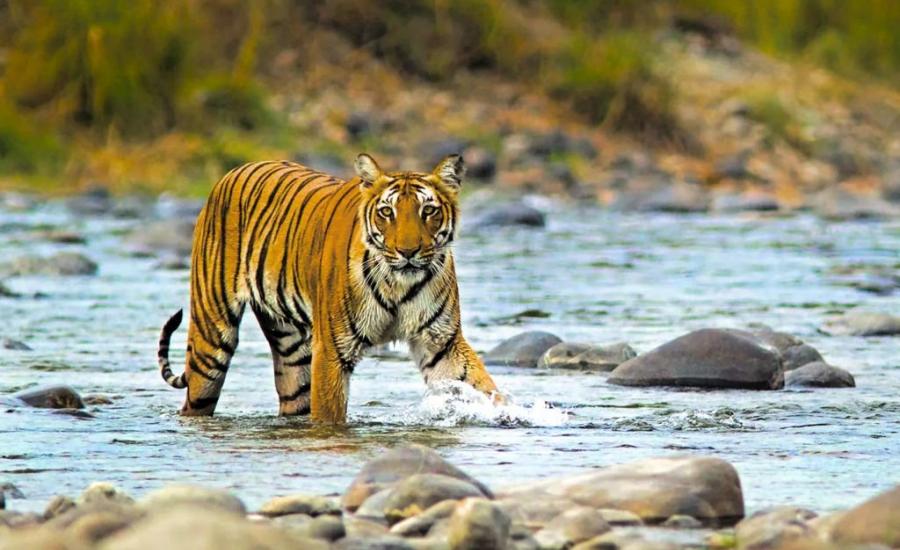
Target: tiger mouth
column 408, row 269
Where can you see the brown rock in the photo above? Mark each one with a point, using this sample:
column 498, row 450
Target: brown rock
column 416, row 493
column 478, row 523
column 875, row 521
column 571, row 527
column 706, row 488
column 771, row 529
column 52, row 397
column 571, row 355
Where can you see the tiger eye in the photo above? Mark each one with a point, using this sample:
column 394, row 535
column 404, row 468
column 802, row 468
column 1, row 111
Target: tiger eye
column 385, row 211
column 429, row 210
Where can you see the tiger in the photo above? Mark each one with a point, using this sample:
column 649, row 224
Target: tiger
column 330, row 268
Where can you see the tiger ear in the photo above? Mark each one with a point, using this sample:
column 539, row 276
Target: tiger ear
column 451, row 171
column 367, row 169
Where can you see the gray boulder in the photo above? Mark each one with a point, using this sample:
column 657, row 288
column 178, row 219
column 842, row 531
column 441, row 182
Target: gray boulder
column 60, row 265
column 794, row 352
column 707, row 358
column 572, row 355
column 522, row 350
column 507, row 214
column 819, row 375
column 52, row 397
column 862, row 323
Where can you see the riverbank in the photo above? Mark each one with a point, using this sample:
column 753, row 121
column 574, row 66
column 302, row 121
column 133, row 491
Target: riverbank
column 411, row 498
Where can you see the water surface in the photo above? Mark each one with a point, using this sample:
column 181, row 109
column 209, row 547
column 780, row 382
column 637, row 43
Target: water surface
column 598, row 276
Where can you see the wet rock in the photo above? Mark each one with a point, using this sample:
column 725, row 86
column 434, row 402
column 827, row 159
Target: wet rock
column 162, row 238
column 58, row 505
column 680, row 521
column 93, row 202
column 522, row 350
column 200, row 497
column 507, row 214
column 9, row 489
column 53, row 397
column 819, row 375
column 62, row 236
column 15, row 345
column 396, row 465
column 310, row 505
column 571, row 527
column 572, row 355
column 417, row 493
column 420, row 524
column 839, row 204
column 709, row 358
column 6, row 292
column 102, row 491
column 875, row 521
column 60, row 264
column 655, row 489
column 620, row 539
column 382, row 542
column 862, row 323
column 794, row 352
column 97, row 399
column 76, row 413
column 478, row 523
column 199, row 528
column 775, row 528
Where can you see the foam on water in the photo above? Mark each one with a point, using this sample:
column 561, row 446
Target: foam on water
column 454, row 403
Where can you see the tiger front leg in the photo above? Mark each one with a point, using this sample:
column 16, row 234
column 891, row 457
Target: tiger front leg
column 452, row 358
column 330, row 383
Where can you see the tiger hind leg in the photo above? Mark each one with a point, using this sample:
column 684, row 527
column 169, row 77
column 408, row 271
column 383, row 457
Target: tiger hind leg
column 212, row 341
column 291, row 357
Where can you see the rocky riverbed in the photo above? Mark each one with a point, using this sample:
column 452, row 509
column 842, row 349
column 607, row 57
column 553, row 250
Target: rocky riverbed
column 762, row 347
column 411, row 498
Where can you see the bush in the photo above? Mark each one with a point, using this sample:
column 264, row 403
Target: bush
column 24, row 145
column 102, row 62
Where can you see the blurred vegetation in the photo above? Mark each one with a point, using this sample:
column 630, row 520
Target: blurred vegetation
column 77, row 74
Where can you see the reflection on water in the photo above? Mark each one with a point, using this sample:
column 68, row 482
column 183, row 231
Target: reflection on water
column 590, row 276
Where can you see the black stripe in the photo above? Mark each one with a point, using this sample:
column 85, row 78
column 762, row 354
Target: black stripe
column 416, row 288
column 354, row 330
column 436, row 315
column 195, row 368
column 203, row 402
column 444, row 350
column 366, row 269
column 300, row 391
column 302, row 362
column 292, row 349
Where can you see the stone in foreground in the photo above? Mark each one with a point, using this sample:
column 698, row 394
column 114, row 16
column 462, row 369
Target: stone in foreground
column 190, row 495
column 522, row 350
column 395, row 466
column 775, row 528
column 875, row 521
column 707, row 358
column 819, row 375
column 478, row 523
column 708, row 489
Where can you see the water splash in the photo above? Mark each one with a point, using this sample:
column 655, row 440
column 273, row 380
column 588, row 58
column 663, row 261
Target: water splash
column 454, row 403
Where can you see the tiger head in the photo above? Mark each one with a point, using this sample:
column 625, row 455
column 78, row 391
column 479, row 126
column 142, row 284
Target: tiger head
column 409, row 218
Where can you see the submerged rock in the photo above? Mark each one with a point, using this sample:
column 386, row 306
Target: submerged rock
column 819, row 375
column 655, row 489
column 396, row 465
column 709, row 358
column 60, row 264
column 875, row 521
column 794, row 352
column 15, row 345
column 53, row 397
column 507, row 214
column 478, row 523
column 572, row 355
column 522, row 350
column 863, row 323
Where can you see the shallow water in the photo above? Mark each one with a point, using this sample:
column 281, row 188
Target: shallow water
column 599, row 277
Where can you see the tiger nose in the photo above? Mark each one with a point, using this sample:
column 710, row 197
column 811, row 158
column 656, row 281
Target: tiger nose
column 408, row 253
